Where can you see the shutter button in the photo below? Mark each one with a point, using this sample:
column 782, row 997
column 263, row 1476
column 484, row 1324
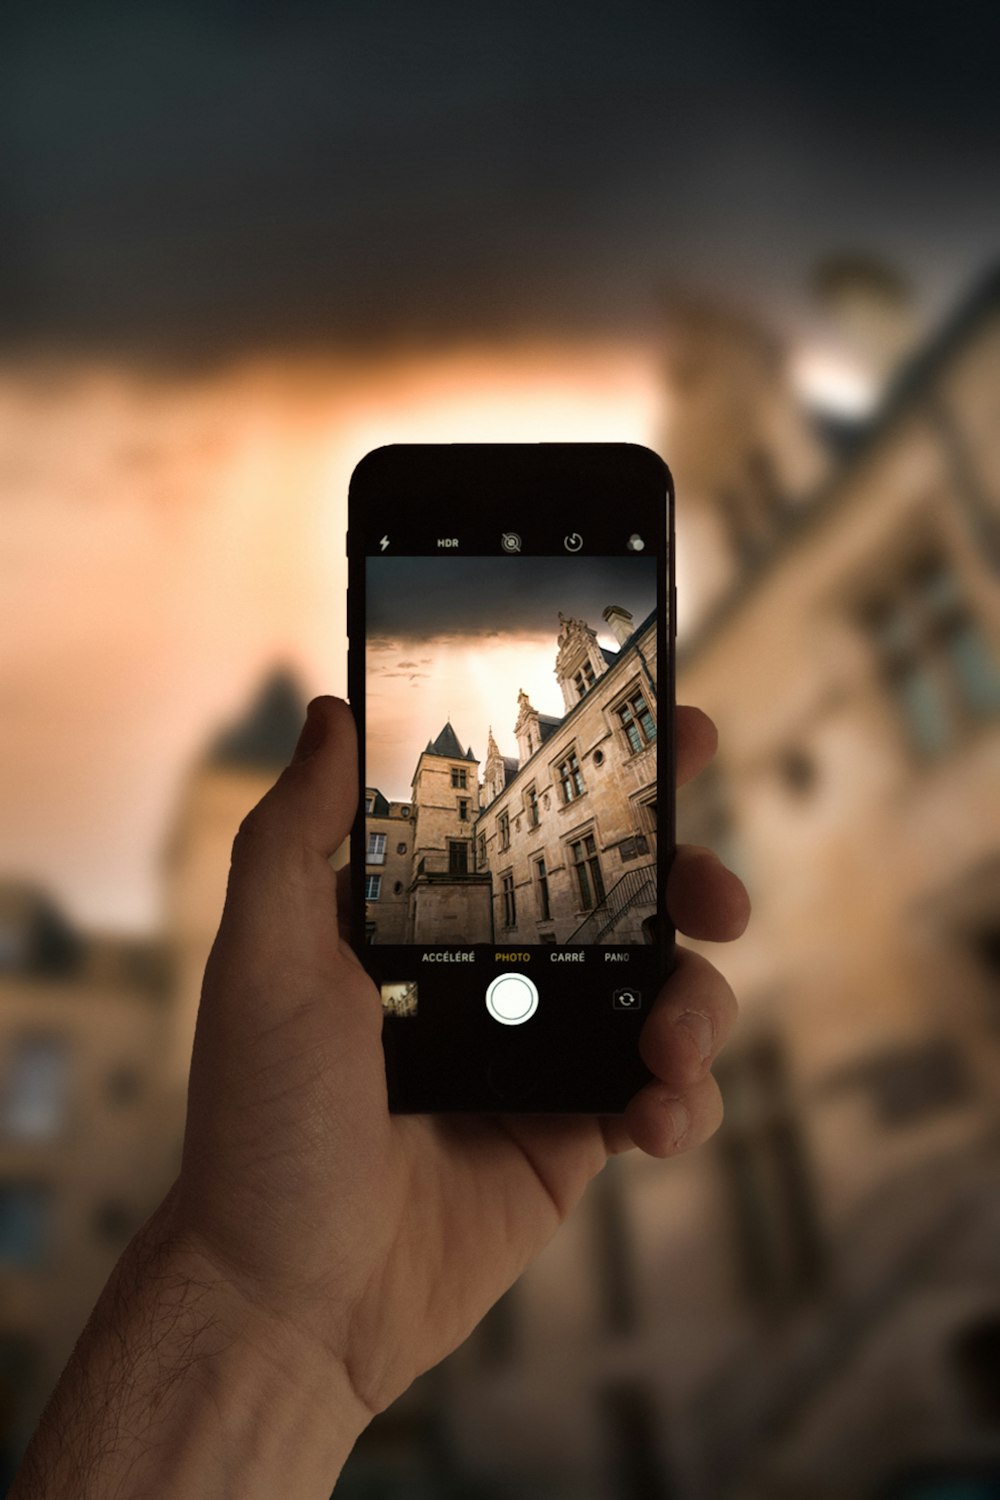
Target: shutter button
column 511, row 999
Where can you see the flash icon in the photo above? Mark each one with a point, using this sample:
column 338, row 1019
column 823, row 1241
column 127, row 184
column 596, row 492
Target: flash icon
column 384, row 543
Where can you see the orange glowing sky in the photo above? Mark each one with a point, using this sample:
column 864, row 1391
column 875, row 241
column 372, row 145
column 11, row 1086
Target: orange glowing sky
column 167, row 540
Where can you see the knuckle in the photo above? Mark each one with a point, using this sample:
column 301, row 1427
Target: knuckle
column 710, row 1110
column 251, row 833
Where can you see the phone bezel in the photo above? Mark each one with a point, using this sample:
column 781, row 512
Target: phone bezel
column 392, row 490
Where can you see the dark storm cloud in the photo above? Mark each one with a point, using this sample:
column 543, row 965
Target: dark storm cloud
column 183, row 175
column 419, row 599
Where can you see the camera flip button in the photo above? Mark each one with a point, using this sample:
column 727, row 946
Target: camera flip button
column 511, row 999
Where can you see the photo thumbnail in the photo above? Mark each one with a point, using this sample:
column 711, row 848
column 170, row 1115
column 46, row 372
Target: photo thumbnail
column 400, row 999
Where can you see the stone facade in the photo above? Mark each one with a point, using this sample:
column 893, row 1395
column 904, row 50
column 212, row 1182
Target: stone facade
column 388, row 867
column 432, row 893
column 568, row 832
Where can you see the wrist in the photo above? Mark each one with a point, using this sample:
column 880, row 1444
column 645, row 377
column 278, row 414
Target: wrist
column 277, row 1407
column 179, row 1386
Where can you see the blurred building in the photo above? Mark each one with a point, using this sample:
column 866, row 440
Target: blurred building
column 810, row 1306
column 95, row 1044
column 83, row 1022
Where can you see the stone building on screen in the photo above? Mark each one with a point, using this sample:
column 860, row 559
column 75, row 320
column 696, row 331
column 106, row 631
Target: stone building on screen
column 555, row 845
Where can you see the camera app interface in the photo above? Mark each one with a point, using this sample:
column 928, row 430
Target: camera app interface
column 511, row 762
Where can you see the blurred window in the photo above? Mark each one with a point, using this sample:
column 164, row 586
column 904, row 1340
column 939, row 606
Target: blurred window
column 962, row 1479
column 19, row 1368
column 37, row 1087
column 769, row 498
column 913, row 1082
column 754, row 509
column 798, row 770
column 975, row 1359
column 36, row 939
column 25, row 1213
column 771, row 1186
column 14, row 946
column 124, row 1085
column 933, row 654
column 373, row 887
column 114, row 1222
column 986, row 946
column 634, row 1431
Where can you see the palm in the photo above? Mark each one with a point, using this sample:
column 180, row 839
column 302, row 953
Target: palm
column 468, row 1201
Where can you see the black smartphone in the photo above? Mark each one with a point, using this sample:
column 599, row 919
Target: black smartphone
column 511, row 670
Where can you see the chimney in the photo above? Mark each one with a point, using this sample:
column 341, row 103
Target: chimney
column 620, row 622
column 872, row 307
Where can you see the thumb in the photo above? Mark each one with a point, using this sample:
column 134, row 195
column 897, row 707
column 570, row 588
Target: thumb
column 280, row 914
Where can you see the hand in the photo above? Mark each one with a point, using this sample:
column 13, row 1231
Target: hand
column 378, row 1241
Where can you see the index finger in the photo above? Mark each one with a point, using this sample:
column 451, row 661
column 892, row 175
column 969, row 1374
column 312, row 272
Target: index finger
column 697, row 740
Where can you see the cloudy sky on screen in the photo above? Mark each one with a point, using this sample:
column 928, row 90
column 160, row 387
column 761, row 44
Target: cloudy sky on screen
column 457, row 638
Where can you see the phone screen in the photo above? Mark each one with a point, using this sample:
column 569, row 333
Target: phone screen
column 513, row 723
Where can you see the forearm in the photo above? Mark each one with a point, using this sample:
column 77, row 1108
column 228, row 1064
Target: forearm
column 177, row 1388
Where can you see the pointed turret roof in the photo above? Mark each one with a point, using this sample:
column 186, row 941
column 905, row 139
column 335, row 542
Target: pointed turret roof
column 447, row 744
column 267, row 733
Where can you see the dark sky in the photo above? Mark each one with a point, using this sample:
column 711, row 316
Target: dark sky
column 192, row 175
column 421, row 598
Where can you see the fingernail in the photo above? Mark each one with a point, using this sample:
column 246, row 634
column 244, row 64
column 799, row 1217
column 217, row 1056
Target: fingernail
column 700, row 1028
column 312, row 736
column 680, row 1123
